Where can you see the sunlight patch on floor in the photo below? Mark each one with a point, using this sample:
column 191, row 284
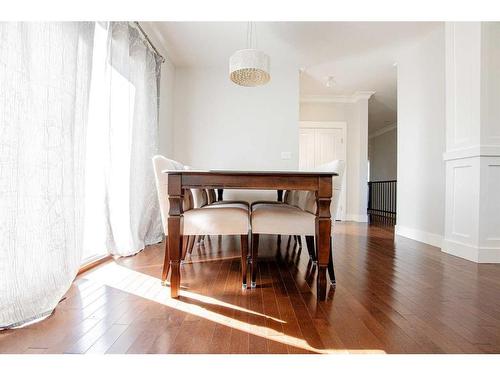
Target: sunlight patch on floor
column 148, row 287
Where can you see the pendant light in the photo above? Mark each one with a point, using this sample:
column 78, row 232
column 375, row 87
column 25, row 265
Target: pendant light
column 249, row 67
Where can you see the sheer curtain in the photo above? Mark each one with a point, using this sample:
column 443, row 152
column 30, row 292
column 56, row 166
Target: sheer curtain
column 122, row 213
column 78, row 129
column 44, row 85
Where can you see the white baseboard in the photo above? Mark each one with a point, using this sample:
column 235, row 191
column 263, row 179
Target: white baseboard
column 471, row 252
column 358, row 218
column 419, row 235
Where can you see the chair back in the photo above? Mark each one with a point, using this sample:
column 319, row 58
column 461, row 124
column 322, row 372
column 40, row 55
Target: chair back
column 161, row 163
column 200, row 196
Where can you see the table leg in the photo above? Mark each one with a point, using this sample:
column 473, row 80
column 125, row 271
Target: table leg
column 175, row 197
column 323, row 232
column 174, row 242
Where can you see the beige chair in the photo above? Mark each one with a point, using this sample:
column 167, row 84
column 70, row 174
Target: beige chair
column 296, row 217
column 207, row 198
column 290, row 198
column 202, row 220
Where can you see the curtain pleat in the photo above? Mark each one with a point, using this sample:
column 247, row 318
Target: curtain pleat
column 124, row 117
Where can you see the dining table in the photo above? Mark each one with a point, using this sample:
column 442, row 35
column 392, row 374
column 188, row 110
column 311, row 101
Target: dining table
column 179, row 181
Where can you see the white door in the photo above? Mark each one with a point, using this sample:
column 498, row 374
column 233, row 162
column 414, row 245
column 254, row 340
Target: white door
column 328, row 145
column 322, row 144
column 306, row 149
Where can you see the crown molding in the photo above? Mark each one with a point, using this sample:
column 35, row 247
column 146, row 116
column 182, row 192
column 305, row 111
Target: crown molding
column 383, row 130
column 157, row 37
column 358, row 95
column 353, row 98
column 326, row 99
column 471, row 152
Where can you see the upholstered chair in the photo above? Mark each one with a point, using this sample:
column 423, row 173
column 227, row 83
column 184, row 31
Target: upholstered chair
column 202, row 220
column 296, row 216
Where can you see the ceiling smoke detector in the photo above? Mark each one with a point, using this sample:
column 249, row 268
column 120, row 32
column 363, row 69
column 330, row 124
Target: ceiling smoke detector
column 330, row 82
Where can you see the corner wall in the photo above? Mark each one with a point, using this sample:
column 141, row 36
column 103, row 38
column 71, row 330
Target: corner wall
column 383, row 155
column 472, row 221
column 167, row 80
column 421, row 140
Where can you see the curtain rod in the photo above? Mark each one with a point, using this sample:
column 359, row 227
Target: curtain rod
column 149, row 41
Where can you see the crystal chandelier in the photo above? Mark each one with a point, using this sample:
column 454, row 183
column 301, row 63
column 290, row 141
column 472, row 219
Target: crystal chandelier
column 249, row 67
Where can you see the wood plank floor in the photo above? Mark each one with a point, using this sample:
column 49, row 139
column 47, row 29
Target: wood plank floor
column 392, row 296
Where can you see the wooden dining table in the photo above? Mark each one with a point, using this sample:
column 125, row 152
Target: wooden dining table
column 181, row 180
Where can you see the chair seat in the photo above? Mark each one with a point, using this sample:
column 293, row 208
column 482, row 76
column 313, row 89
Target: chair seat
column 216, row 220
column 282, row 219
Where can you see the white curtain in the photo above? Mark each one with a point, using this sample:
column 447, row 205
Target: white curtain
column 122, row 213
column 44, row 85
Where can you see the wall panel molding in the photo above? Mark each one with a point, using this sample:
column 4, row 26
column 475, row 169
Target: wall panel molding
column 471, row 252
column 472, row 156
column 472, row 151
column 353, row 98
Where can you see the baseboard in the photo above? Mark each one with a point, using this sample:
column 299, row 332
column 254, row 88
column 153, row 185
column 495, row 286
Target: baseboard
column 471, row 252
column 358, row 218
column 419, row 235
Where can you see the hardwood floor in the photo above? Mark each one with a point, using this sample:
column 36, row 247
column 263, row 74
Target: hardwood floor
column 391, row 296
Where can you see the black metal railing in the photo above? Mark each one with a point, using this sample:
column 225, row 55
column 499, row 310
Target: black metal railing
column 382, row 200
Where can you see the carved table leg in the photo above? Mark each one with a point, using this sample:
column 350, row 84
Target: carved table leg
column 175, row 196
column 175, row 255
column 323, row 232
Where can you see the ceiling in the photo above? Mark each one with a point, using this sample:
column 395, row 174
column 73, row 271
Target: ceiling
column 360, row 56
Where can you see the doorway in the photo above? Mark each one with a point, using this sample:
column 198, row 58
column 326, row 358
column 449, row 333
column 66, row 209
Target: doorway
column 320, row 143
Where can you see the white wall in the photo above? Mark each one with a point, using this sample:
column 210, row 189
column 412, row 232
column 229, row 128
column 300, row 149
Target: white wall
column 166, row 128
column 317, row 111
column 218, row 124
column 357, row 161
column 356, row 116
column 472, row 221
column 421, row 140
column 382, row 153
column 166, row 110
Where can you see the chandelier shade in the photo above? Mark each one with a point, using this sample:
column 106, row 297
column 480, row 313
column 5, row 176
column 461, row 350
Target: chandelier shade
column 249, row 67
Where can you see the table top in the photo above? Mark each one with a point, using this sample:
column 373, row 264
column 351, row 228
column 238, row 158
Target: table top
column 250, row 172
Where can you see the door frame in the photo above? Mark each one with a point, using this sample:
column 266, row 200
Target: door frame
column 333, row 125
